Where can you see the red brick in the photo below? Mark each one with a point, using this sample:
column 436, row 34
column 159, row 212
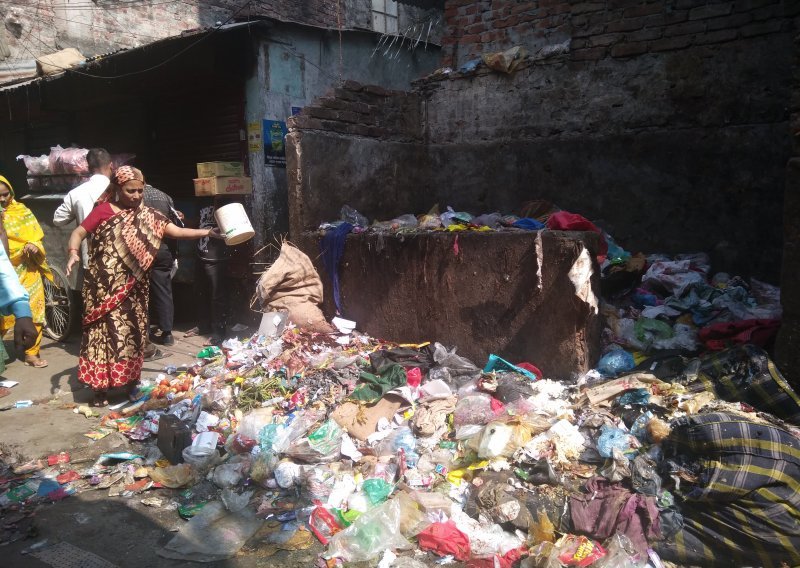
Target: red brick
column 716, row 37
column 685, row 29
column 588, row 54
column 646, row 34
column 626, row 25
column 644, row 10
column 732, row 21
column 710, row 11
column 587, row 7
column 746, row 5
column 604, row 40
column 761, row 28
column 629, row 49
column 671, row 43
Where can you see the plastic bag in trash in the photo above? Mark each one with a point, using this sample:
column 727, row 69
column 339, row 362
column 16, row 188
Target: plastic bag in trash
column 212, row 535
column 615, row 362
column 235, row 502
column 373, row 532
column 352, row 216
column 611, row 438
column 620, row 553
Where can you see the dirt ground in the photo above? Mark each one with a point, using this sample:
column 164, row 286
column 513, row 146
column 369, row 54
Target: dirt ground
column 123, row 531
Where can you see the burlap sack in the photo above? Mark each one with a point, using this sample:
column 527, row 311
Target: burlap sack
column 292, row 284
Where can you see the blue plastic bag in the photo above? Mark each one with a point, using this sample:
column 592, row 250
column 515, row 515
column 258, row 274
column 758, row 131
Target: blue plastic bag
column 615, row 362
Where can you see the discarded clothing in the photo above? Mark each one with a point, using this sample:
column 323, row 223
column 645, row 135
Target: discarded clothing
column 373, row 387
column 607, row 509
column 754, row 331
column 748, row 375
column 445, row 539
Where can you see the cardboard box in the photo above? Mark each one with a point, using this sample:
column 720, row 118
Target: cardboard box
column 227, row 185
column 221, row 169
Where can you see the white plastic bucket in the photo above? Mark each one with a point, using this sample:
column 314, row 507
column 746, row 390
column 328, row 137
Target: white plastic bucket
column 234, row 224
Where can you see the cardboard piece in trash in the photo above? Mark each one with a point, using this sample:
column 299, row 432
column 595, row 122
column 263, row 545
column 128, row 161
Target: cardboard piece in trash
column 59, row 61
column 226, row 185
column 616, row 387
column 212, row 169
column 361, row 423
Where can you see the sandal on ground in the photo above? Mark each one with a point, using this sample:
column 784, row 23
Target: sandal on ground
column 100, row 399
column 37, row 362
column 192, row 332
column 158, row 354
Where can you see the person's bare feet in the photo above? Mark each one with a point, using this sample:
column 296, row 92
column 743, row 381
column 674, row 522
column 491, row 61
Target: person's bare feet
column 100, row 399
column 37, row 362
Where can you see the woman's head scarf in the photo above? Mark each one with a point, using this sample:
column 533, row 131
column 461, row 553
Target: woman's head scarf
column 124, row 174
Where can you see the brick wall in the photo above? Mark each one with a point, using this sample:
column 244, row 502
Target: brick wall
column 608, row 28
column 363, row 110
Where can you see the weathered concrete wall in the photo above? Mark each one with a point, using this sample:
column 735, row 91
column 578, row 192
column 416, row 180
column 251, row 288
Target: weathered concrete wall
column 787, row 354
column 295, row 66
column 524, row 296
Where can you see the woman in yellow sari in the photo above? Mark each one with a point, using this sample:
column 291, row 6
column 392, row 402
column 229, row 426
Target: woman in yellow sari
column 26, row 252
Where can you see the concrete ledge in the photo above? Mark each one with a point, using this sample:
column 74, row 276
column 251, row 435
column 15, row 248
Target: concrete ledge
column 513, row 294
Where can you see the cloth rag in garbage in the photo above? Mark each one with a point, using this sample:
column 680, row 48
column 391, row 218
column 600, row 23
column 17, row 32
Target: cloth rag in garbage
column 608, row 508
column 332, row 248
column 373, row 387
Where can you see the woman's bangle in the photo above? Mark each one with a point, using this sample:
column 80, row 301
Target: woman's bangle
column 72, row 249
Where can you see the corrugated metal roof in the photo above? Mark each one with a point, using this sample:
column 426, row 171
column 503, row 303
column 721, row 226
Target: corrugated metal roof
column 97, row 60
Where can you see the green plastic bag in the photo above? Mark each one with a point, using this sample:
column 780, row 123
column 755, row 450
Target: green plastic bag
column 377, row 490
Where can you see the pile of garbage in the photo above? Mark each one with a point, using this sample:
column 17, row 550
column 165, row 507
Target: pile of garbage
column 532, row 216
column 410, row 455
column 402, row 454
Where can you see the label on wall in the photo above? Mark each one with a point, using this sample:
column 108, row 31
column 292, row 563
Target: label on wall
column 254, row 139
column 275, row 143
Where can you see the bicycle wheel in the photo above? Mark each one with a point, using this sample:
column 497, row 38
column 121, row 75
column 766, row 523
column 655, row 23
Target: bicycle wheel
column 59, row 309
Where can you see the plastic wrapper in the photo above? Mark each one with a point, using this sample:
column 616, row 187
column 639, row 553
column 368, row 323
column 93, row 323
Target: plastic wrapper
column 36, row 165
column 230, row 474
column 263, row 466
column 373, row 532
column 491, row 220
column 323, row 524
column 174, row 476
column 581, row 551
column 613, row 438
column 620, row 553
column 318, row 483
column 503, row 438
column 287, row 474
column 352, row 216
column 458, row 369
column 252, row 422
column 235, row 502
column 451, row 217
column 474, row 409
column 377, row 490
column 400, row 439
column 412, row 518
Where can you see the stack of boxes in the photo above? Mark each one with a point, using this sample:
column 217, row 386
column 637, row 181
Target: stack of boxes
column 222, row 178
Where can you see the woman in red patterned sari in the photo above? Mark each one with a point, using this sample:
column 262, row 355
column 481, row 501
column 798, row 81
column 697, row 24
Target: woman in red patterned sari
column 124, row 239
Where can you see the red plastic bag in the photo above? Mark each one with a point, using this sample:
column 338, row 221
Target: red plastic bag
column 497, row 561
column 566, row 221
column 56, row 459
column 445, row 539
column 323, row 524
column 413, row 377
